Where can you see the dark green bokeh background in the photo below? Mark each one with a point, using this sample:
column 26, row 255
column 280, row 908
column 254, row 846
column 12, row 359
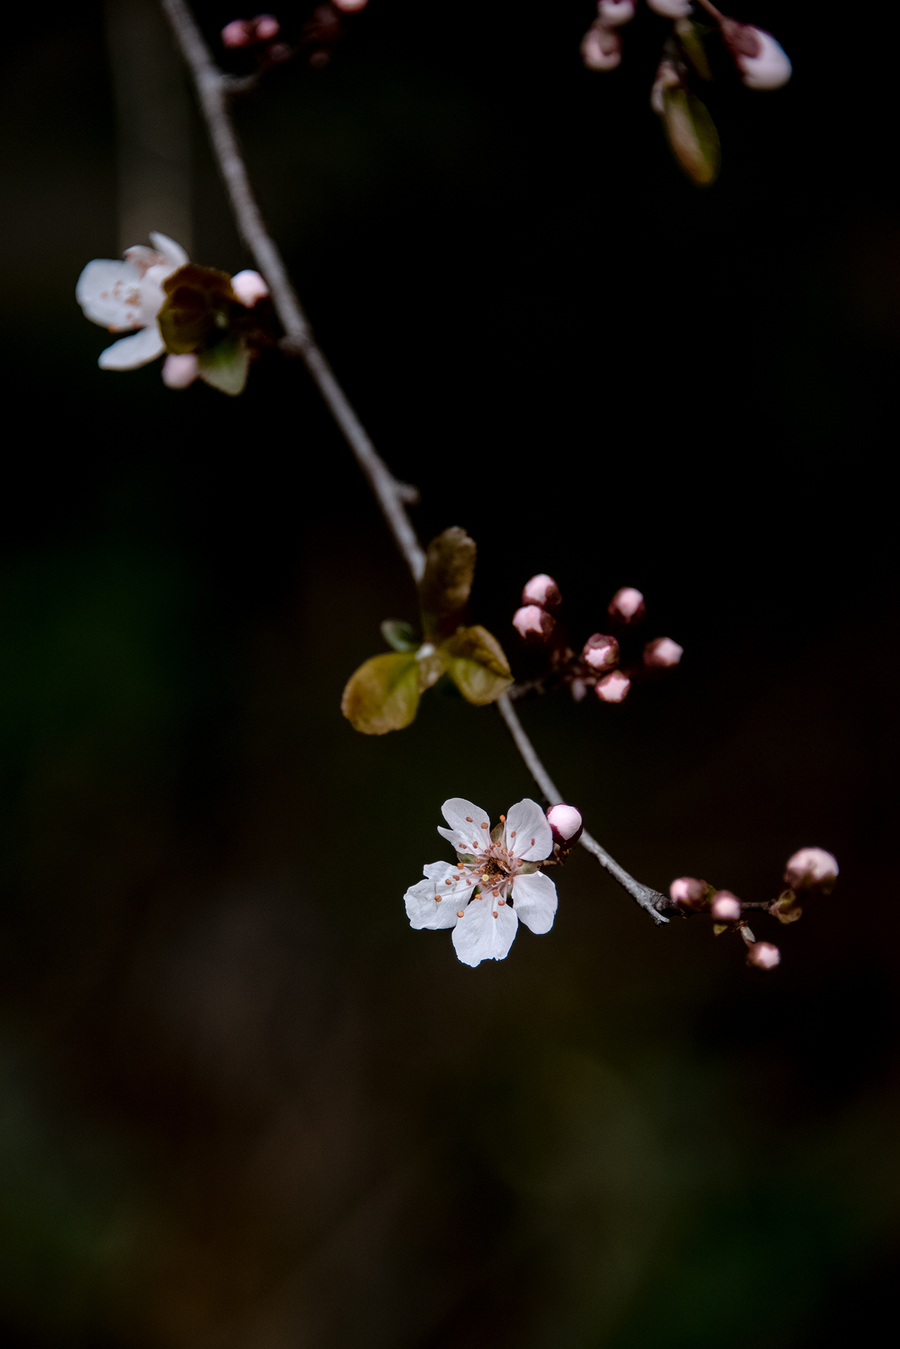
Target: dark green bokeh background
column 241, row 1102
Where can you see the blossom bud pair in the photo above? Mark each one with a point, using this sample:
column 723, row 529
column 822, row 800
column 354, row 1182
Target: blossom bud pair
column 247, row 32
column 532, row 621
column 566, row 825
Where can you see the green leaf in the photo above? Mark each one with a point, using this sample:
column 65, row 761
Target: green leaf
column 225, row 365
column 692, row 135
column 445, row 586
column 690, row 38
column 400, row 635
column 383, row 694
column 200, row 303
column 477, row 665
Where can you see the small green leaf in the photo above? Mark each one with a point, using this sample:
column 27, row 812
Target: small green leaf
column 477, row 665
column 444, row 589
column 383, row 694
column 692, row 135
column 400, row 635
column 225, row 365
column 690, row 38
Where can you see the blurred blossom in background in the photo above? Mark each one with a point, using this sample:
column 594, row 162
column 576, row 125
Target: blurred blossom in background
column 242, row 1103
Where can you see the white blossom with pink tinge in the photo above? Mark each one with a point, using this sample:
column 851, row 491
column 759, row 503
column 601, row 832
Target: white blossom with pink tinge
column 627, row 605
column 601, row 48
column 763, row 955
column 542, row 590
column 122, row 296
column 613, row 688
column 769, row 67
column 662, row 653
column 493, row 886
column 812, row 869
column 533, row 623
column 725, row 907
column 600, row 652
column 614, row 13
column 566, row 823
column 249, row 287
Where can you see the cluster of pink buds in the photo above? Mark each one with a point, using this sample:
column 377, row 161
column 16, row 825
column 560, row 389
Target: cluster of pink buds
column 759, row 60
column 533, row 621
column 250, row 32
column 809, row 871
column 318, row 36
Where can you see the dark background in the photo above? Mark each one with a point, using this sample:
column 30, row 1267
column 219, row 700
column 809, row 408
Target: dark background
column 241, row 1102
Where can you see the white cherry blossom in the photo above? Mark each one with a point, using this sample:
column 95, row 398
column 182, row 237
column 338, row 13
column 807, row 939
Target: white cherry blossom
column 493, row 885
column 122, row 296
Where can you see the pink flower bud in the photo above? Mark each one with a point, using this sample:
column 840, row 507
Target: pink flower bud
column 267, row 26
column 601, row 48
column 350, row 6
column 180, row 371
column 763, row 955
column 249, row 287
column 533, row 623
column 613, row 688
column 763, row 63
column 614, row 13
column 579, row 689
column 238, row 33
column 600, row 652
column 662, row 653
column 812, row 869
column 542, row 590
column 566, row 824
column 627, row 605
column 725, row 907
column 670, row 9
column 688, row 892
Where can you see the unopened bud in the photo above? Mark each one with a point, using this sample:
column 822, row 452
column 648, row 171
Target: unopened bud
column 566, row 824
column 614, row 13
column 689, row 892
column 601, row 48
column 579, row 689
column 238, row 33
column 627, row 605
column 670, row 9
column 725, row 907
column 533, row 623
column 349, row 6
column 542, row 590
column 600, row 652
column 812, row 869
column 180, row 371
column 613, row 688
column 667, row 77
column 249, row 287
column 763, row 63
column 763, row 955
column 267, row 26
column 662, row 653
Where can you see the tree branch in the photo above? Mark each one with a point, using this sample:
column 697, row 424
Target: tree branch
column 213, row 88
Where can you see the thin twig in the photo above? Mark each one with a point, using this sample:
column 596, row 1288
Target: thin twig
column 212, row 90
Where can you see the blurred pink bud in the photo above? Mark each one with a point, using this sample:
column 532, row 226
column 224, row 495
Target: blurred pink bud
column 601, row 48
column 613, row 688
column 543, row 590
column 763, row 955
column 349, row 6
column 533, row 623
column 670, row 9
column 249, row 287
column 725, row 907
column 688, row 892
column 566, row 823
column 600, row 652
column 662, row 653
column 763, row 63
column 812, row 869
column 238, row 33
column 667, row 77
column 267, row 26
column 627, row 605
column 615, row 12
column 180, row 371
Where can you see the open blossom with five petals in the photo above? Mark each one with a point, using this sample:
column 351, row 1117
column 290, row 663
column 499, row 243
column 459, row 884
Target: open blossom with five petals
column 494, row 884
column 122, row 296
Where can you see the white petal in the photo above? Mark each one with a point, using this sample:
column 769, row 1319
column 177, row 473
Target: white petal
column 424, row 909
column 130, row 352
column 478, row 935
column 470, row 828
column 535, row 900
column 153, row 297
column 533, row 835
column 110, row 294
column 173, row 253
